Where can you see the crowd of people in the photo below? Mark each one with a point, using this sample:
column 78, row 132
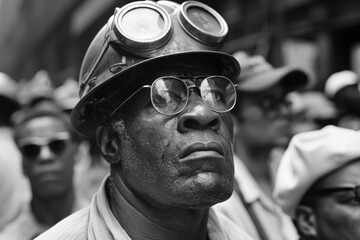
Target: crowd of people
column 167, row 137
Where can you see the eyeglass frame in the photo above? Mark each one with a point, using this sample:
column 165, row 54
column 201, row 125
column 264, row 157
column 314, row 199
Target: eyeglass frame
column 196, row 84
column 43, row 141
column 330, row 190
column 272, row 110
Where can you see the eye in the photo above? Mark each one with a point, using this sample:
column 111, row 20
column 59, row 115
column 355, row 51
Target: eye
column 57, row 146
column 31, row 150
column 347, row 197
column 217, row 95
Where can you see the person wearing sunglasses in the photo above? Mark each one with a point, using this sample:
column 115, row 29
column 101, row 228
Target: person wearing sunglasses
column 262, row 123
column 155, row 93
column 48, row 146
column 318, row 183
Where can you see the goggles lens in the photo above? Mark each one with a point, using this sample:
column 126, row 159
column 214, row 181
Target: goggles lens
column 148, row 27
column 31, row 147
column 203, row 19
column 170, row 95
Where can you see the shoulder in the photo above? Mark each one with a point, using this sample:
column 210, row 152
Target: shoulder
column 24, row 226
column 73, row 227
column 232, row 229
column 221, row 227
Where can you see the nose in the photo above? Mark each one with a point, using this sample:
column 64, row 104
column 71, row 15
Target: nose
column 45, row 155
column 198, row 116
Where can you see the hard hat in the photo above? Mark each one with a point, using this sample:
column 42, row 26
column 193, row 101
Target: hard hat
column 137, row 39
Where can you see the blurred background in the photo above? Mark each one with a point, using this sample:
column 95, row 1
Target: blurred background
column 319, row 36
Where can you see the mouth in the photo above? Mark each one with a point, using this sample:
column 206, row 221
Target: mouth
column 201, row 150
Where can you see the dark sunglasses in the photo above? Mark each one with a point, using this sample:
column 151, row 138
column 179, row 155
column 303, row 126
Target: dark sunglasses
column 31, row 147
column 170, row 95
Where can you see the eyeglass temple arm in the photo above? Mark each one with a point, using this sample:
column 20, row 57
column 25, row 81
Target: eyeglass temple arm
column 127, row 99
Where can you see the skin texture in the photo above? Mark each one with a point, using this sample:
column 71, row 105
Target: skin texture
column 154, row 176
column 336, row 215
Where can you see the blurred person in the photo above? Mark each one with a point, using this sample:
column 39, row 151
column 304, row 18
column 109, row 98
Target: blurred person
column 90, row 168
column 343, row 88
column 40, row 86
column 318, row 183
column 262, row 122
column 67, row 95
column 157, row 102
column 48, row 145
column 13, row 186
column 311, row 110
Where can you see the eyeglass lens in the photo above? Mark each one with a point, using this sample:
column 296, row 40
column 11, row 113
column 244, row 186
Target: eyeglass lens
column 32, row 150
column 169, row 95
column 327, row 191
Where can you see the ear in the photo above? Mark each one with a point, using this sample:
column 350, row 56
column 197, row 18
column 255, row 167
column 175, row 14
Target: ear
column 306, row 221
column 108, row 144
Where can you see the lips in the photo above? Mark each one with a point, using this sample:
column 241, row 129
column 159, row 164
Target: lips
column 201, row 147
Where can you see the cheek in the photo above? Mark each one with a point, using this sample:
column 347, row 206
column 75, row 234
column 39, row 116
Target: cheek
column 339, row 222
column 146, row 145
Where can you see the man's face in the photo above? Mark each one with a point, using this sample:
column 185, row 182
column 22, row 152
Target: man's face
column 181, row 161
column 263, row 119
column 49, row 171
column 338, row 213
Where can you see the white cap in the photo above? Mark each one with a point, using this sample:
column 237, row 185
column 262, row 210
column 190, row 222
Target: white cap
column 340, row 80
column 310, row 156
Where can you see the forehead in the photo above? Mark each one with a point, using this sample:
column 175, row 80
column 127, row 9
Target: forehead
column 42, row 127
column 345, row 176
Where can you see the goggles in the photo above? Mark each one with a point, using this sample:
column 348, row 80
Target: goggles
column 169, row 95
column 31, row 147
column 152, row 34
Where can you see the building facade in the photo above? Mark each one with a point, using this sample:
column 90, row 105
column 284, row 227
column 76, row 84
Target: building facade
column 320, row 36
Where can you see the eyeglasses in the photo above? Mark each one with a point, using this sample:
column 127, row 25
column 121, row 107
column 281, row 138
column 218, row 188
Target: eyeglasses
column 274, row 106
column 170, row 95
column 327, row 191
column 31, row 147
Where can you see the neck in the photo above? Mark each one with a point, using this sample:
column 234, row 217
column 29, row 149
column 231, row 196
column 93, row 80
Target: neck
column 144, row 221
column 50, row 211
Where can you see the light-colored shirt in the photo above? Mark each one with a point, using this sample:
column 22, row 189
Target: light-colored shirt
column 27, row 227
column 97, row 222
column 276, row 224
column 14, row 188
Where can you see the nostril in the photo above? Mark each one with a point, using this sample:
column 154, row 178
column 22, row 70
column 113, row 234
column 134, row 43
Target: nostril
column 214, row 124
column 192, row 123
